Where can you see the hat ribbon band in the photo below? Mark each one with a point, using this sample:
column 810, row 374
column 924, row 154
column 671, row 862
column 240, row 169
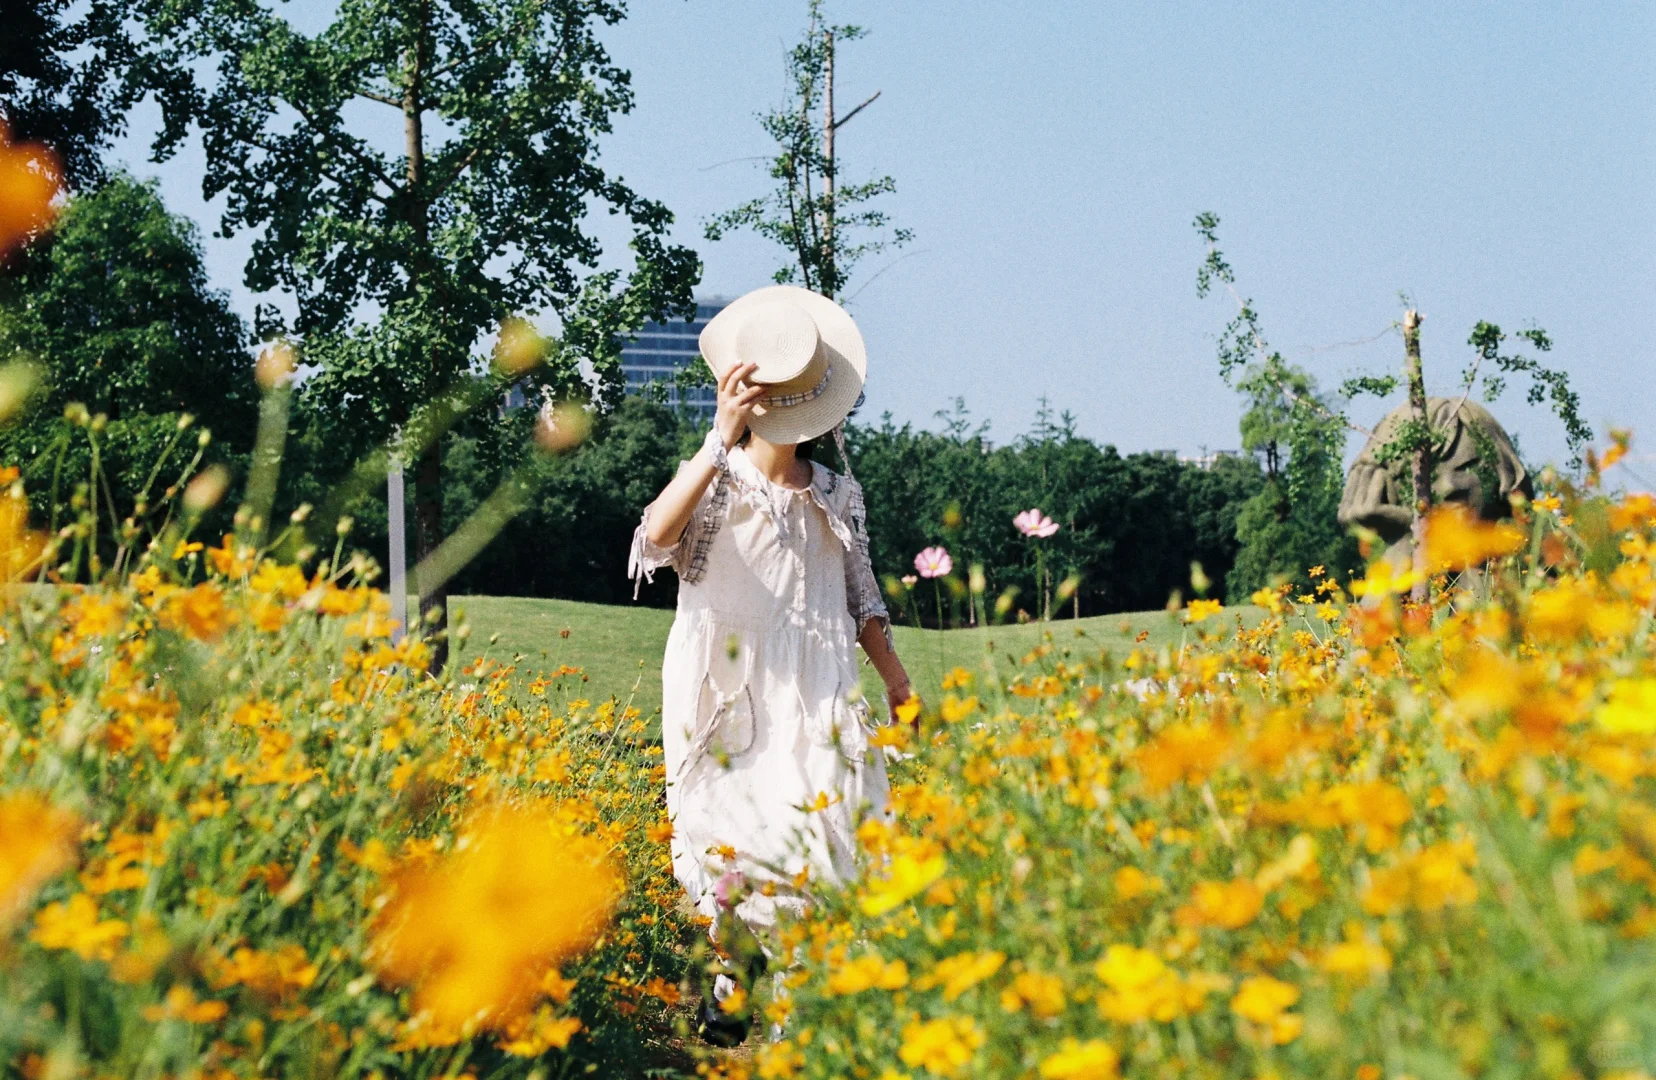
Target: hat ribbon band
column 782, row 401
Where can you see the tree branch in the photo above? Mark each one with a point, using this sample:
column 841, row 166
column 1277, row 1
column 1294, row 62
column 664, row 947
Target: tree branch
column 487, row 42
column 1265, row 354
column 842, row 121
column 799, row 236
column 356, row 152
column 459, row 170
column 381, row 98
column 271, row 148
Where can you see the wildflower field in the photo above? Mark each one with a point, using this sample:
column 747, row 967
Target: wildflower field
column 241, row 836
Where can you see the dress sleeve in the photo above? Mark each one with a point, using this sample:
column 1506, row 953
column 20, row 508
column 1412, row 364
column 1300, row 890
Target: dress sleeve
column 862, row 589
column 688, row 556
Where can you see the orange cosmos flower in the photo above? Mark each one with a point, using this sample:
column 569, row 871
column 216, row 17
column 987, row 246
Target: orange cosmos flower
column 37, row 842
column 1227, row 904
column 200, row 611
column 29, row 186
column 474, row 930
column 1455, row 539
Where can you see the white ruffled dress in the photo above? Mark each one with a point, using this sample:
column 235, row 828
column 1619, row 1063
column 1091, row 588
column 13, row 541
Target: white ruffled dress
column 764, row 729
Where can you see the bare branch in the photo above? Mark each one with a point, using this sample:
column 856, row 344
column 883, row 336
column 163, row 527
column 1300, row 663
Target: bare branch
column 732, row 161
column 1471, row 379
column 381, row 98
column 1389, row 330
column 882, row 270
column 842, row 121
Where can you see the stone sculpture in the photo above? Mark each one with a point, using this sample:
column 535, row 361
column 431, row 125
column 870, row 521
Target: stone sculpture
column 1477, row 466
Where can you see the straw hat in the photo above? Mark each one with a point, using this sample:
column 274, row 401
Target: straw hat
column 810, row 356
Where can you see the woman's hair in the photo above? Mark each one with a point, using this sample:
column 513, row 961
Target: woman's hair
column 803, row 451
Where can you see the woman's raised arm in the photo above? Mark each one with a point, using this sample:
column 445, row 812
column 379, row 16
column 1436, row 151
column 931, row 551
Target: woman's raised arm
column 671, row 511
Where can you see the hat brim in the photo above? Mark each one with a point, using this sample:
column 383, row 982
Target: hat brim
column 842, row 343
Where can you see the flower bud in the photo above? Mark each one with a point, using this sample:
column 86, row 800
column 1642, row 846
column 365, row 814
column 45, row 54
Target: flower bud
column 204, row 492
column 18, row 382
column 520, row 348
column 563, row 426
column 275, row 365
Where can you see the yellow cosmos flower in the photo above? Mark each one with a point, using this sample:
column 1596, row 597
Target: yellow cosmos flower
column 867, row 973
column 941, row 1047
column 231, row 559
column 1202, row 610
column 1561, row 611
column 1264, row 1001
column 1131, row 883
column 274, row 579
column 1268, row 598
column 1356, row 955
column 908, row 877
column 1630, row 708
column 1094, row 1059
column 1229, row 905
column 1043, row 994
column 959, row 973
column 1383, row 579
column 181, row 1004
column 75, row 925
column 1126, row 969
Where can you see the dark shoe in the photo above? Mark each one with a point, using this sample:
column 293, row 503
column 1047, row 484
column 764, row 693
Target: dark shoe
column 718, row 1028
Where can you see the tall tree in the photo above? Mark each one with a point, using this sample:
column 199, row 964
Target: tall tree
column 114, row 307
column 399, row 259
column 1298, row 434
column 823, row 223
column 64, row 79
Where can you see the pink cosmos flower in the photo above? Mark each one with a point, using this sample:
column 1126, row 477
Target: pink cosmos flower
column 933, row 562
column 1034, row 523
column 728, row 889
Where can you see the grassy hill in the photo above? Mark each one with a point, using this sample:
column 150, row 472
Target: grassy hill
column 620, row 648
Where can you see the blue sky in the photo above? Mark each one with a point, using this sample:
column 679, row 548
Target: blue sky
column 1494, row 160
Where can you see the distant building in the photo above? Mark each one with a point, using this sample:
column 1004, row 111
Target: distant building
column 661, row 350
column 1210, row 459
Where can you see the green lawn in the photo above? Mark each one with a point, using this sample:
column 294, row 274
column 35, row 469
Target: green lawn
column 620, row 647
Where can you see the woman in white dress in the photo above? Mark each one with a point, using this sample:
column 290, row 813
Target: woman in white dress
column 764, row 729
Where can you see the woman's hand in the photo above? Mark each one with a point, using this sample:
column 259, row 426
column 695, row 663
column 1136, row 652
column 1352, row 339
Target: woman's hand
column 736, row 400
column 901, row 693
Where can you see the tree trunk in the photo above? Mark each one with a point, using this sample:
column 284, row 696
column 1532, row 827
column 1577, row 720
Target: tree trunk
column 1420, row 465
column 830, row 271
column 428, row 470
